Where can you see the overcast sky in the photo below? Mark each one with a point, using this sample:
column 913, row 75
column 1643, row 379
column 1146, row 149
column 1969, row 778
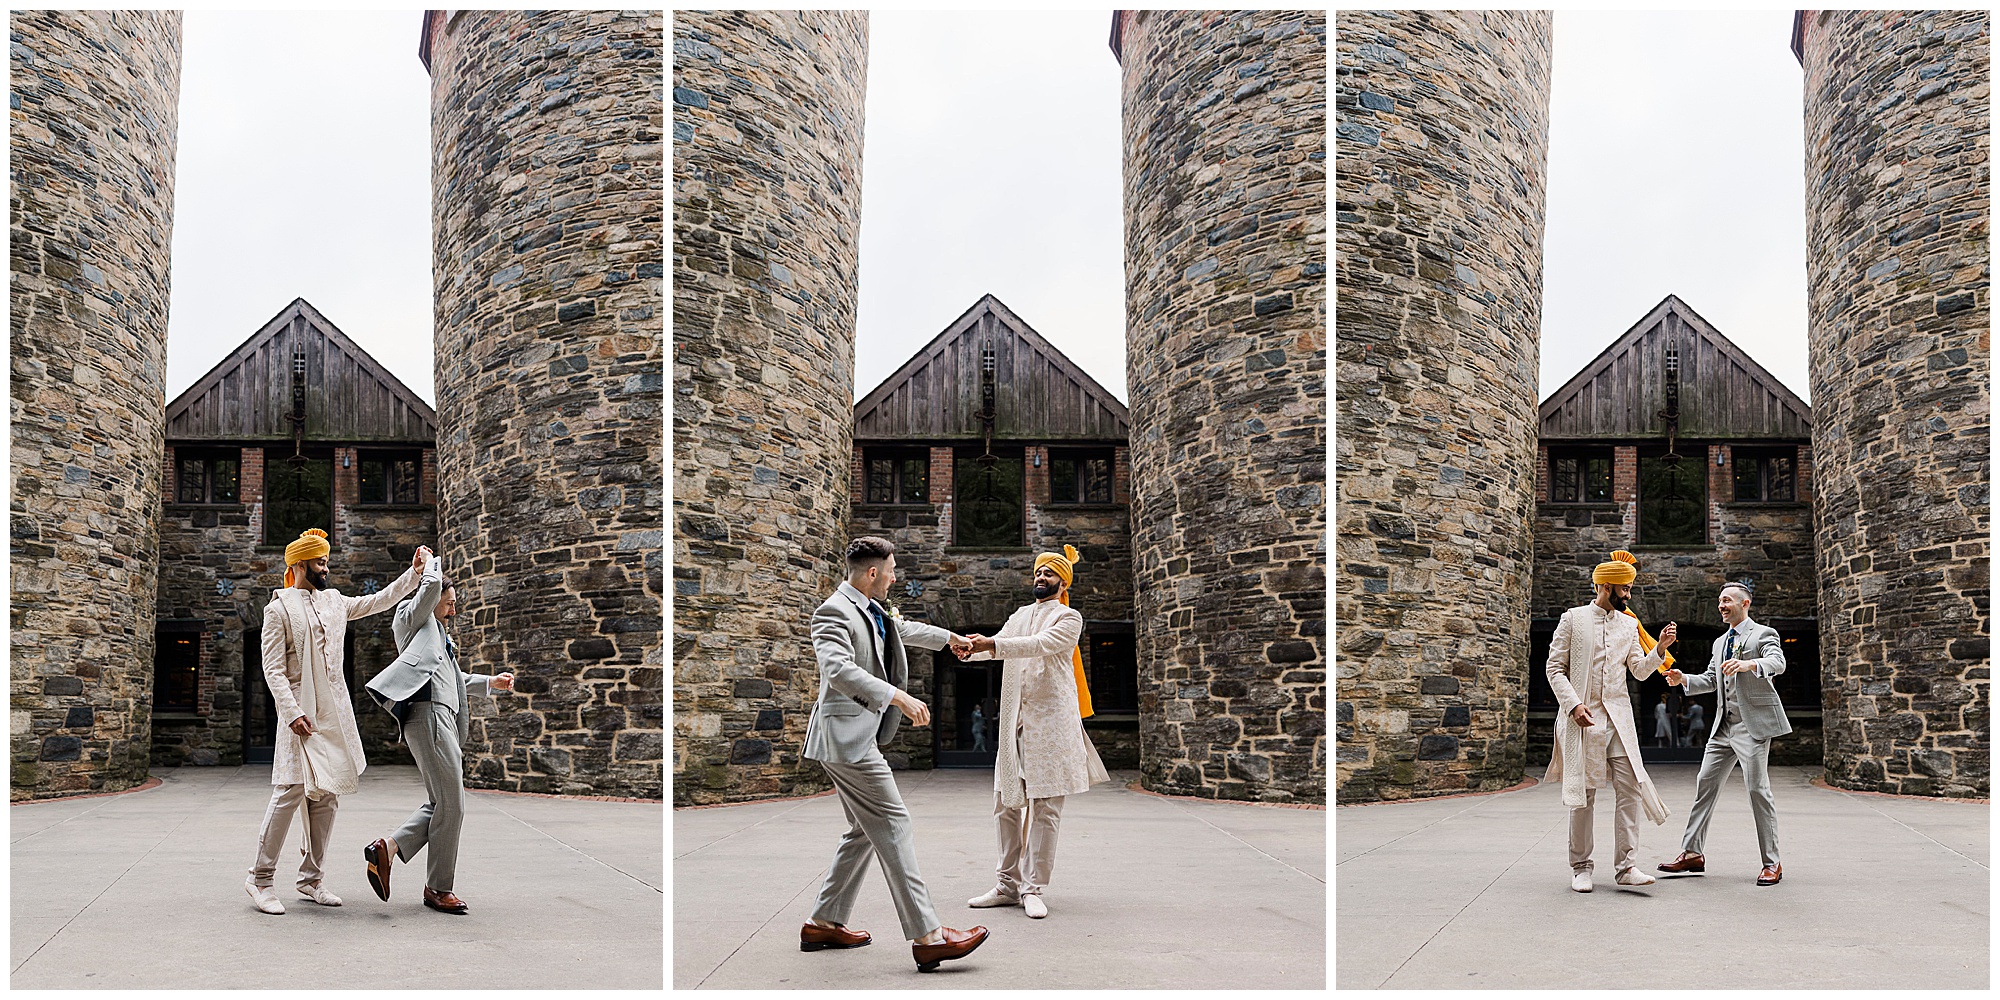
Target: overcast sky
column 992, row 162
column 303, row 171
column 1676, row 165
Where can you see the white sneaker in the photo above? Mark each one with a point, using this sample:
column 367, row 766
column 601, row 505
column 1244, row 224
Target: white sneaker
column 319, row 895
column 993, row 898
column 1581, row 880
column 1034, row 905
column 263, row 898
column 1633, row 876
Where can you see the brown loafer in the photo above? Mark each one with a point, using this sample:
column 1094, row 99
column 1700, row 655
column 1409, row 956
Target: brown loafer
column 956, row 944
column 1686, row 863
column 443, row 902
column 1771, row 875
column 380, row 854
column 813, row 937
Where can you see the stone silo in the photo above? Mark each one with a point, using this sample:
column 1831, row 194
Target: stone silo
column 1897, row 179
column 767, row 214
column 1225, row 284
column 1441, row 128
column 95, row 98
column 546, row 181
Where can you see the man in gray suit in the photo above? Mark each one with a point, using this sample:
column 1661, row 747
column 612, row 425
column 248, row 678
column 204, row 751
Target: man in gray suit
column 425, row 691
column 862, row 670
column 1748, row 716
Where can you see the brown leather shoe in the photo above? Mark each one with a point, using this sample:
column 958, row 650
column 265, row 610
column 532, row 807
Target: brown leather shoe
column 813, row 937
column 956, row 944
column 1771, row 875
column 380, row 854
column 443, row 902
column 1689, row 861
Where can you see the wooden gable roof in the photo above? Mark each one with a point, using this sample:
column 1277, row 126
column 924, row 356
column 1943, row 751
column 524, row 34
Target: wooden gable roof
column 349, row 395
column 1723, row 393
column 1038, row 394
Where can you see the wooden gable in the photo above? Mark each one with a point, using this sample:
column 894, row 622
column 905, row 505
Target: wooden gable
column 1038, row 394
column 349, row 396
column 1723, row 393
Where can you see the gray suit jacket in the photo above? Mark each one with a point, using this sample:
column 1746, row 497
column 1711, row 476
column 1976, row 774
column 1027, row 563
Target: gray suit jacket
column 858, row 673
column 427, row 658
column 1756, row 699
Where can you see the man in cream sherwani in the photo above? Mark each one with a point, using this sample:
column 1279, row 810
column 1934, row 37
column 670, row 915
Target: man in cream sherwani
column 1044, row 755
column 862, row 669
column 1597, row 742
column 304, row 638
column 1748, row 716
column 426, row 692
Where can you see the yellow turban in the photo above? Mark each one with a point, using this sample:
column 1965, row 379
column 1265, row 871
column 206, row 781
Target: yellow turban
column 311, row 544
column 1065, row 567
column 1623, row 568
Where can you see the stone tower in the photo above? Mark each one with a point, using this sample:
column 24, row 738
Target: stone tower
column 546, row 193
column 96, row 99
column 1225, row 292
column 1442, row 133
column 1897, row 181
column 767, row 216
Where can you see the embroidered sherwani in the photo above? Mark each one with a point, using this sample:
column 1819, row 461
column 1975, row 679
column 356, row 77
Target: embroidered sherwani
column 1590, row 655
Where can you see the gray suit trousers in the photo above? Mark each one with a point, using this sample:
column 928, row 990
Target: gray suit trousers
column 1732, row 745
column 431, row 731
column 878, row 825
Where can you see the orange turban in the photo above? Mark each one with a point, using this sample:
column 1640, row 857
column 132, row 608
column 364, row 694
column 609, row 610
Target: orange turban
column 311, row 544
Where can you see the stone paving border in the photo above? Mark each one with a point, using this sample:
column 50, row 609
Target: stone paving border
column 149, row 783
column 1525, row 784
column 1133, row 786
column 1820, row 782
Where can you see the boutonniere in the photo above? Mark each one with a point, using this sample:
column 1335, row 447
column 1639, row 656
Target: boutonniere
column 895, row 611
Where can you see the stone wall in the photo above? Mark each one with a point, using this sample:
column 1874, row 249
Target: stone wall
column 1442, row 133
column 767, row 213
column 1225, row 291
column 968, row 590
column 94, row 100
column 546, row 193
column 1897, row 124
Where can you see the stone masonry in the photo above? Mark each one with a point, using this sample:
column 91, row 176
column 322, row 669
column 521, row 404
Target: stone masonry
column 1442, row 132
column 1897, row 179
column 1225, row 249
column 546, row 188
column 767, row 212
column 93, row 107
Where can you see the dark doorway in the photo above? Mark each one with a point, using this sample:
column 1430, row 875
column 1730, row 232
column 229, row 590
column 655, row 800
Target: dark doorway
column 260, row 711
column 299, row 495
column 967, row 724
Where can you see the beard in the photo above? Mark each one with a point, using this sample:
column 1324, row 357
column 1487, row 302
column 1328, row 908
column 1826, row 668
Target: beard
column 1617, row 602
column 317, row 579
column 1044, row 591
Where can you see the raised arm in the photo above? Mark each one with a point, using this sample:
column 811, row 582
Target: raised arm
column 386, row 598
column 835, row 648
column 1059, row 637
column 922, row 635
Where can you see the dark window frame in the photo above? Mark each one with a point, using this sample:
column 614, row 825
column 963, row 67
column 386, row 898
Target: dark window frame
column 1692, row 465
column 399, row 487
column 178, row 652
column 1010, row 467
column 1579, row 487
column 894, row 482
column 1768, row 481
column 207, row 482
column 1080, row 491
column 1114, row 685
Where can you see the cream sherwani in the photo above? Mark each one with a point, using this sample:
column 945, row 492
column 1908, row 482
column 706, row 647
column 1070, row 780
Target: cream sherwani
column 1591, row 653
column 1043, row 754
column 323, row 617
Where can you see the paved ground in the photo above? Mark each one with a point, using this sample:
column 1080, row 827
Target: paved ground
column 143, row 890
column 1149, row 892
column 1879, row 892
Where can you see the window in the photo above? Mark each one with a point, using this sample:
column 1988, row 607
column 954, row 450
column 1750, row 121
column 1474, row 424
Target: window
column 1764, row 475
column 898, row 475
column 1580, row 475
column 988, row 490
column 298, row 495
column 1080, row 476
column 1673, row 500
column 207, row 475
column 390, row 476
column 176, row 671
column 1114, row 674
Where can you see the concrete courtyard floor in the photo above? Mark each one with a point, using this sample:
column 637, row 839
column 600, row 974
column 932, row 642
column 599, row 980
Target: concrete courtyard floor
column 1148, row 892
column 1879, row 892
column 144, row 891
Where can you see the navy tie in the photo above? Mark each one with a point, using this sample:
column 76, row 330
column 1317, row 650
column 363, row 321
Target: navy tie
column 1728, row 653
column 881, row 629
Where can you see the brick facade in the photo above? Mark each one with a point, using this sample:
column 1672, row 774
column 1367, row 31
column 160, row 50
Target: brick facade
column 95, row 97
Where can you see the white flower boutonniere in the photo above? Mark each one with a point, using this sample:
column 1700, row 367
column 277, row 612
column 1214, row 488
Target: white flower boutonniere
column 895, row 611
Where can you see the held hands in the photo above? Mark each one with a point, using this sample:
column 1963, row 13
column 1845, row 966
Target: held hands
column 417, row 561
column 916, row 711
column 502, row 682
column 974, row 643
